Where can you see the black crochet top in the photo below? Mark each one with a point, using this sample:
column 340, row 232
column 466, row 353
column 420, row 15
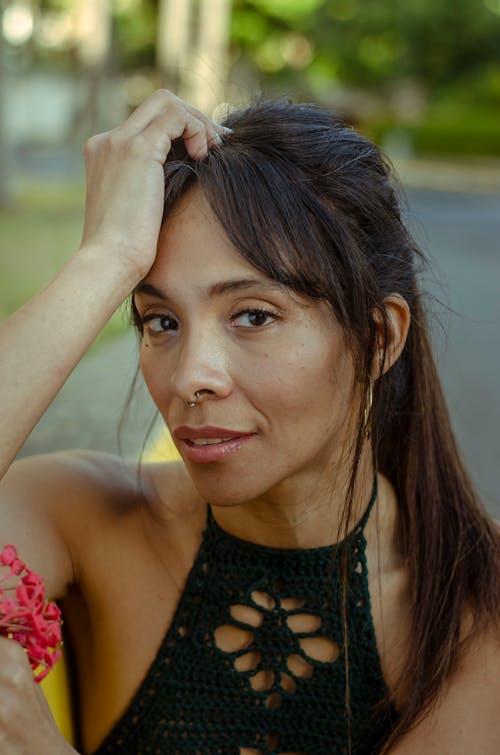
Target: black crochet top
column 254, row 662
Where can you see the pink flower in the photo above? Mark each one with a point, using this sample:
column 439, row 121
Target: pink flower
column 28, row 617
column 9, row 557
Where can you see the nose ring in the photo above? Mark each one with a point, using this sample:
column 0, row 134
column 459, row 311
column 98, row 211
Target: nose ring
column 192, row 404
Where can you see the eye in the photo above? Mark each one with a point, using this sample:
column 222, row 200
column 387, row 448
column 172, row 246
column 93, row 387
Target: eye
column 253, row 318
column 156, row 324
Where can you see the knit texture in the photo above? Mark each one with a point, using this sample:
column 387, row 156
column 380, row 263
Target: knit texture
column 254, row 661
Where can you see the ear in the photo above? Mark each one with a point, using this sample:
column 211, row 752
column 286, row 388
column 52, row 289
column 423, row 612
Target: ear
column 398, row 322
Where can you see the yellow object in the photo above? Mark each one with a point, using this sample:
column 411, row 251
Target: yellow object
column 56, row 686
column 162, row 448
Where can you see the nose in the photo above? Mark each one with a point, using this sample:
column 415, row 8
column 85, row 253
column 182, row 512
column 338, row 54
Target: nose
column 202, row 368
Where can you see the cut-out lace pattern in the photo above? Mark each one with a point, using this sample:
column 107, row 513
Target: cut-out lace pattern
column 254, row 661
column 273, row 641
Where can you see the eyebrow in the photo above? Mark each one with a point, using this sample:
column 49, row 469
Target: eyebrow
column 216, row 289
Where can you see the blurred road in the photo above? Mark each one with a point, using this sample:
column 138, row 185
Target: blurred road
column 461, row 234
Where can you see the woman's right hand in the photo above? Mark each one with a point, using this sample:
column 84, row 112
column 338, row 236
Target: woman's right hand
column 125, row 183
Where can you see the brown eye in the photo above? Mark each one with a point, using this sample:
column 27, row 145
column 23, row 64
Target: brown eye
column 253, row 318
column 156, row 324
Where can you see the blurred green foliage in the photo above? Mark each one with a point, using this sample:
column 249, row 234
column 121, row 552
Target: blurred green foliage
column 368, row 43
column 431, row 67
column 404, row 57
column 39, row 231
column 451, row 131
column 372, row 43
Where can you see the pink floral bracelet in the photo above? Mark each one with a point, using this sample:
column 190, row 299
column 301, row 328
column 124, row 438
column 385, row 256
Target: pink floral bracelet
column 26, row 615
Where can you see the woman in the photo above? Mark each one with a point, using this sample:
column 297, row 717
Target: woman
column 339, row 592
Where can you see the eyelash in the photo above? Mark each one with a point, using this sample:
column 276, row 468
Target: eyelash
column 255, row 311
column 250, row 311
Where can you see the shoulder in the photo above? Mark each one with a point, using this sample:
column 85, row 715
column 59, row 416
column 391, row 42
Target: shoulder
column 466, row 716
column 105, row 483
column 69, row 481
column 56, row 508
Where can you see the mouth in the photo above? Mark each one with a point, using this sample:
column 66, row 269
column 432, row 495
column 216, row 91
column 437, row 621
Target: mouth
column 208, row 441
column 204, row 445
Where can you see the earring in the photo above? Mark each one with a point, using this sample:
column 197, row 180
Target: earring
column 367, row 414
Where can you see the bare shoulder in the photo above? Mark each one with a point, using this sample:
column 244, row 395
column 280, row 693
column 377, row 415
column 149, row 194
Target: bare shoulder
column 47, row 501
column 68, row 480
column 54, row 505
column 466, row 717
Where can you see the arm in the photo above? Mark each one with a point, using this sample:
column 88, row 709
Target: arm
column 42, row 343
column 42, row 500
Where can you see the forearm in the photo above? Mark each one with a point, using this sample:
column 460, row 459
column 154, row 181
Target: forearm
column 41, row 344
column 43, row 341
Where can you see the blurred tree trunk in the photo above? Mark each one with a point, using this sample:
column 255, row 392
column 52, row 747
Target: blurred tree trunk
column 210, row 63
column 173, row 42
column 92, row 20
column 192, row 49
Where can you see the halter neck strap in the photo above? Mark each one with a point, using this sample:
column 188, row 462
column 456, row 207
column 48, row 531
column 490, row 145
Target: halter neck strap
column 371, row 503
column 359, row 527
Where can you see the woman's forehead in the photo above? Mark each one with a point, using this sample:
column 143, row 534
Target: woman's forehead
column 193, row 241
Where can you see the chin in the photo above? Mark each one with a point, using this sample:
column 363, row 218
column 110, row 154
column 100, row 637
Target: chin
column 220, row 489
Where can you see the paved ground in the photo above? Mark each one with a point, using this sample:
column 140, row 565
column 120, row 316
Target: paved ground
column 461, row 233
column 90, row 408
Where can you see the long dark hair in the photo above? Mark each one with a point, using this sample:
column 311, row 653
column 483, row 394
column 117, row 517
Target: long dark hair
column 311, row 203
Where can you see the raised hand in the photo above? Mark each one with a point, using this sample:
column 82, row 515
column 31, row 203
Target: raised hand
column 125, row 177
column 125, row 192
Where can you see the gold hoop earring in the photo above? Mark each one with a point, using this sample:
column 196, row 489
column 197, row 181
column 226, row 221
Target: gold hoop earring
column 367, row 414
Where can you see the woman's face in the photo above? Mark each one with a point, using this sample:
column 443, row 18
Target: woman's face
column 275, row 376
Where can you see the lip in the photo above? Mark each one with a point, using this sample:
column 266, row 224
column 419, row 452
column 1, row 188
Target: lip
column 234, row 440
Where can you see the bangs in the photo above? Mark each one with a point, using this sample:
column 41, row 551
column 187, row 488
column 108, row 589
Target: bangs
column 274, row 219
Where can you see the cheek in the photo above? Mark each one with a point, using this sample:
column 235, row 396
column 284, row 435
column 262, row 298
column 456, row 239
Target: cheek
column 311, row 388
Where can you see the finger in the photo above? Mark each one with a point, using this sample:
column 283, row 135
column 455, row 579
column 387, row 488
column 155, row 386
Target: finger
column 161, row 118
column 178, row 122
column 158, row 135
column 214, row 129
column 199, row 132
column 163, row 100
column 198, row 136
column 152, row 106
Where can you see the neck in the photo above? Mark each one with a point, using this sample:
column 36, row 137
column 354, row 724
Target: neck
column 292, row 516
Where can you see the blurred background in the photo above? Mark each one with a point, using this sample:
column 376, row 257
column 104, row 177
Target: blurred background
column 420, row 77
